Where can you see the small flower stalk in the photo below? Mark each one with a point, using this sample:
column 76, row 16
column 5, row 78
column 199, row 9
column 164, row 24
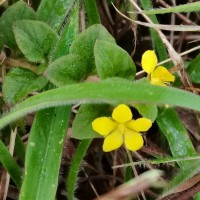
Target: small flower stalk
column 121, row 128
column 157, row 75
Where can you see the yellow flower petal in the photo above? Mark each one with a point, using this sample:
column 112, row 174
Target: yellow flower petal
column 122, row 113
column 161, row 74
column 133, row 140
column 149, row 61
column 141, row 124
column 113, row 141
column 157, row 81
column 104, row 125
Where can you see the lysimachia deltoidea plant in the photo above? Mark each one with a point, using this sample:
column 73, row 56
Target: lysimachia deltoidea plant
column 81, row 83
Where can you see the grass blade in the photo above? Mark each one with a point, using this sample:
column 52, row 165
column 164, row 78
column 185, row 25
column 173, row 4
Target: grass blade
column 176, row 134
column 43, row 154
column 10, row 165
column 92, row 12
column 108, row 92
column 75, row 166
column 189, row 7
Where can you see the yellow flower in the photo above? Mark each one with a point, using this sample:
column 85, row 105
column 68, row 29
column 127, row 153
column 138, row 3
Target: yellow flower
column 121, row 129
column 158, row 75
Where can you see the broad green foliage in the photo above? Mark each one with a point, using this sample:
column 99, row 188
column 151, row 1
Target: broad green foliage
column 43, row 154
column 84, row 43
column 113, row 61
column 17, row 11
column 194, row 70
column 48, row 40
column 83, row 120
column 66, row 70
column 20, row 82
column 35, row 39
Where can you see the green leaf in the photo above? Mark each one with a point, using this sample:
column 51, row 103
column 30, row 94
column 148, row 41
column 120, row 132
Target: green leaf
column 189, row 7
column 112, row 61
column 82, row 124
column 66, row 70
column 20, row 82
column 194, row 70
column 53, row 12
column 83, row 45
column 35, row 39
column 68, row 33
column 10, row 165
column 111, row 92
column 176, row 134
column 43, row 154
column 75, row 167
column 149, row 111
column 92, row 12
column 20, row 148
column 17, row 11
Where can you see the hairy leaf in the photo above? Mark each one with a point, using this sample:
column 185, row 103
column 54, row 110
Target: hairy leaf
column 17, row 11
column 66, row 70
column 113, row 61
column 35, row 39
column 83, row 45
column 20, row 82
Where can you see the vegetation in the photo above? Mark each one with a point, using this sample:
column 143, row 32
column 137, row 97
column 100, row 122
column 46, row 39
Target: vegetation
column 99, row 99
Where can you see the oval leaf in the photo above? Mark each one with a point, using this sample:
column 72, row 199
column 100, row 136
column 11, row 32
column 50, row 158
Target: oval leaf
column 83, row 120
column 35, row 39
column 17, row 11
column 112, row 61
column 84, row 43
column 20, row 82
column 194, row 70
column 66, row 70
column 149, row 111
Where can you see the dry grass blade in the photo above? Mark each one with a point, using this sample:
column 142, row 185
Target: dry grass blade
column 11, row 150
column 168, row 27
column 134, row 186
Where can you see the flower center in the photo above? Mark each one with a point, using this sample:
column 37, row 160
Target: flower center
column 122, row 128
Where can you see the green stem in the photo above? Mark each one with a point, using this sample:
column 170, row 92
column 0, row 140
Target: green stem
column 92, row 12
